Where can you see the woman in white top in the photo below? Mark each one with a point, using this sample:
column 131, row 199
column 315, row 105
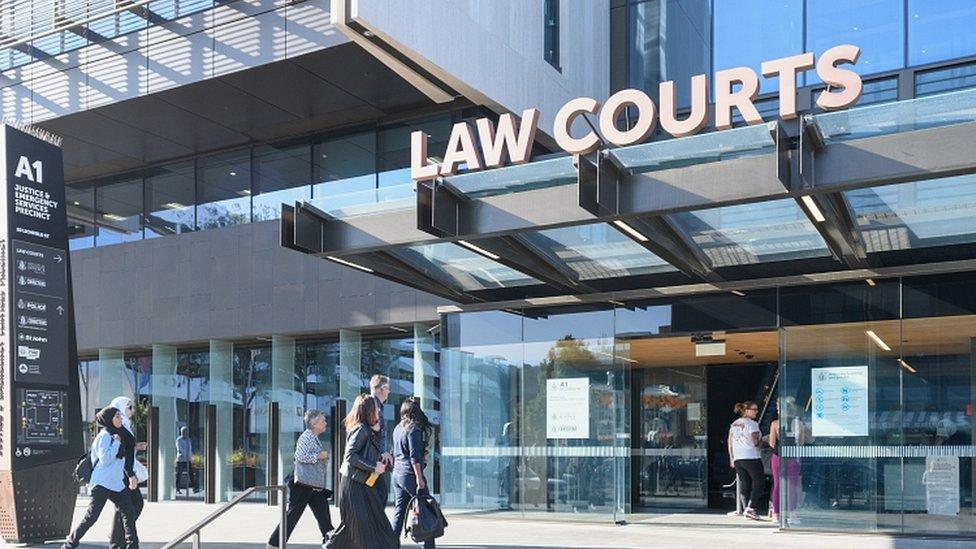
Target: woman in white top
column 744, row 455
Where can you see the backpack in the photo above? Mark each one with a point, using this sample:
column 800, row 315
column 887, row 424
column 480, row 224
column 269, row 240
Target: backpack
column 84, row 468
column 426, row 521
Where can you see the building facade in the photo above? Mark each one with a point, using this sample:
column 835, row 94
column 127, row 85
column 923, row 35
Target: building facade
column 245, row 231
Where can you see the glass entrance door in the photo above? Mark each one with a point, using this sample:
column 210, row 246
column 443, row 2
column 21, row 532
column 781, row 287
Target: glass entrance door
column 670, row 457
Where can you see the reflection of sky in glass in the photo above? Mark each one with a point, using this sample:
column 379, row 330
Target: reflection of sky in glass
column 909, row 215
column 223, row 213
column 599, row 251
column 748, row 32
column 877, row 26
column 753, row 233
column 268, row 205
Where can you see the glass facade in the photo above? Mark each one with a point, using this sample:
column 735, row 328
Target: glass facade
column 339, row 171
column 606, row 412
column 671, row 40
column 240, row 381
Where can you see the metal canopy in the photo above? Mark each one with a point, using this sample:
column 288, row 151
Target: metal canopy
column 879, row 186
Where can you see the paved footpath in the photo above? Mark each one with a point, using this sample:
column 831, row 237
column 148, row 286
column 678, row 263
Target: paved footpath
column 248, row 526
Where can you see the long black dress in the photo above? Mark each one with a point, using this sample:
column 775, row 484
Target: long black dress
column 363, row 523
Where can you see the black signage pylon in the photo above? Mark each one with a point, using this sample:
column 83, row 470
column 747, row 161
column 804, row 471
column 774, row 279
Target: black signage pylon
column 40, row 414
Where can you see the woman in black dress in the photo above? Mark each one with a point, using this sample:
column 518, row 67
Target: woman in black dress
column 363, row 524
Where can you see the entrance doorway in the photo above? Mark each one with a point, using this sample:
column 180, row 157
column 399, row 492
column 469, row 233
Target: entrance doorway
column 683, row 389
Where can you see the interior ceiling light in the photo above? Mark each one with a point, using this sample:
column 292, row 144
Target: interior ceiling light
column 907, row 366
column 877, row 340
column 814, row 210
column 245, row 192
column 739, row 293
column 398, row 329
column 478, row 249
column 114, row 217
column 174, row 205
column 634, row 233
column 870, row 282
column 348, row 263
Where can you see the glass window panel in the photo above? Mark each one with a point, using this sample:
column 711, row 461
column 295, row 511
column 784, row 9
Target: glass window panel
column 940, row 29
column 224, row 190
column 841, row 478
column 186, row 7
column 81, row 216
column 252, row 392
column 940, row 212
column 599, row 251
column 877, row 26
column 169, row 200
column 753, row 233
column 119, row 211
column 164, row 8
column 192, row 392
column 748, row 32
column 281, row 177
column 394, row 147
column 345, row 164
column 945, row 79
column 463, row 268
column 669, row 40
column 551, row 32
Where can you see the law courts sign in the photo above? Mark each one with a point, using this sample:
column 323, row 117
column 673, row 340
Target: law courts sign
column 735, row 88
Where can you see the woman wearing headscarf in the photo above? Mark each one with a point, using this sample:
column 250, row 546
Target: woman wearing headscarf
column 106, row 481
column 129, row 446
column 363, row 524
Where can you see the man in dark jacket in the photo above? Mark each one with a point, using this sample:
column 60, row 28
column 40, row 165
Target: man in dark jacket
column 379, row 388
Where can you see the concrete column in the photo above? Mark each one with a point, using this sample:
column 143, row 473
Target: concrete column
column 111, row 377
column 290, row 403
column 350, row 365
column 222, row 396
column 164, row 388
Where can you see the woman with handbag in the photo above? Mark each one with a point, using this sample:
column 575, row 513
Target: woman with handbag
column 306, row 486
column 106, row 482
column 363, row 524
column 135, row 472
column 410, row 439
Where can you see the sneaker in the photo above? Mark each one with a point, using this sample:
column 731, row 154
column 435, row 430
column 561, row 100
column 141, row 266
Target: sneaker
column 750, row 514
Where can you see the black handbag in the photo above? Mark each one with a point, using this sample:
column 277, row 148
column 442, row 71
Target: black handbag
column 84, row 468
column 426, row 521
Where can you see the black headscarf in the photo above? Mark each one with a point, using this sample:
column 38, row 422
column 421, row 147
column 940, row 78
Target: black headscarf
column 104, row 419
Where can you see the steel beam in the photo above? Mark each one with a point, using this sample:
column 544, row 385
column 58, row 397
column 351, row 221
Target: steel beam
column 521, row 253
column 838, row 229
column 669, row 243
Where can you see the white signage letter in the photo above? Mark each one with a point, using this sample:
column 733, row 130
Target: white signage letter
column 460, row 150
column 420, row 170
column 725, row 98
column 786, row 68
column 564, row 123
column 518, row 145
column 848, row 80
column 644, row 125
column 699, row 107
column 24, row 169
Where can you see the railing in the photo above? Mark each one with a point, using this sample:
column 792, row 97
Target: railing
column 194, row 531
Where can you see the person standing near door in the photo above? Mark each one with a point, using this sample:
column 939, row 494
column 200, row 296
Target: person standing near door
column 744, row 457
column 184, row 455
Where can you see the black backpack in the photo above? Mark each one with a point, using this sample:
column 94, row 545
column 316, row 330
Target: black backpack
column 83, row 471
column 425, row 521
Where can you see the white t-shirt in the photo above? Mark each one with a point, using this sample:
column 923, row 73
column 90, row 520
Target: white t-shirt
column 741, row 436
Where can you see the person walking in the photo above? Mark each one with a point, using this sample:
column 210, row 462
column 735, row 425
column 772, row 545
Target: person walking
column 363, row 524
column 410, row 440
column 184, row 453
column 306, row 486
column 108, row 461
column 130, row 467
column 744, row 457
column 379, row 389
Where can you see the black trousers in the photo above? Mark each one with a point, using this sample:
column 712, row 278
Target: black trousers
column 117, row 541
column 750, row 475
column 122, row 501
column 182, row 466
column 404, row 489
column 298, row 498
